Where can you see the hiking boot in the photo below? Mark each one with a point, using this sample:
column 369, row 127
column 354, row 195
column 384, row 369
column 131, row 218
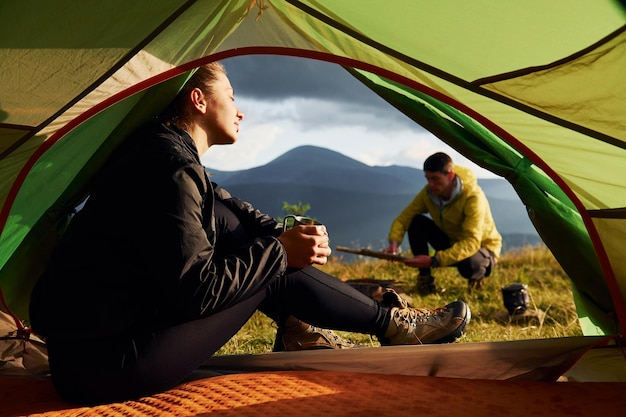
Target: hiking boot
column 298, row 335
column 412, row 326
column 426, row 284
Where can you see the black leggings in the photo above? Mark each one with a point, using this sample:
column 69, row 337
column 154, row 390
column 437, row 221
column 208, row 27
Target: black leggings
column 126, row 367
column 117, row 369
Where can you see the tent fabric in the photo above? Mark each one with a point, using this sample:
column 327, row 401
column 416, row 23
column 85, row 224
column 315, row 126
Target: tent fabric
column 527, row 360
column 21, row 353
column 530, row 90
column 309, row 393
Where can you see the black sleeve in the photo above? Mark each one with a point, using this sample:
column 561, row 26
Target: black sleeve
column 262, row 224
column 182, row 247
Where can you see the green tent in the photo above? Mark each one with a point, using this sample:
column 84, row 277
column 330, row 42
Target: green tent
column 531, row 90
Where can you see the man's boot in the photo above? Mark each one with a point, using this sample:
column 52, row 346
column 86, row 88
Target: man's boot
column 426, row 284
column 412, row 326
column 298, row 335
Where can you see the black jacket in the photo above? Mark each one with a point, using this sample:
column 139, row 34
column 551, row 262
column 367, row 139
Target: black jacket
column 144, row 251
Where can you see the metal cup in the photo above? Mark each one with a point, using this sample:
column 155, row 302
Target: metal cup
column 291, row 220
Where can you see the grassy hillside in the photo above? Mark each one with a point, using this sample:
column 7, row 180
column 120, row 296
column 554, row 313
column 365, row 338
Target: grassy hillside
column 549, row 289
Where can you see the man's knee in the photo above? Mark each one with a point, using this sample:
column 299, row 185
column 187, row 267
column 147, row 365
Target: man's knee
column 423, row 231
column 419, row 222
column 478, row 265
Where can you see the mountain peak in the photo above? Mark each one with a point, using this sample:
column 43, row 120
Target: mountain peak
column 313, row 154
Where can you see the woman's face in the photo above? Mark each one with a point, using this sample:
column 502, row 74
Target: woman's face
column 222, row 116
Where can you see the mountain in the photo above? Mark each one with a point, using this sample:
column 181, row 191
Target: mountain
column 314, row 166
column 355, row 201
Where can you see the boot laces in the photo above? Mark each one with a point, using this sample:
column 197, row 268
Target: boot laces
column 413, row 316
column 330, row 335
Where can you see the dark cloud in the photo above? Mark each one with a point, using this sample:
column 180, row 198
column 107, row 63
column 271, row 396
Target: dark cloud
column 315, row 113
column 279, row 78
column 270, row 77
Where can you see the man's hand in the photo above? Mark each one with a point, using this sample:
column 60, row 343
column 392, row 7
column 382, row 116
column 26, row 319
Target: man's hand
column 392, row 248
column 419, row 261
column 306, row 245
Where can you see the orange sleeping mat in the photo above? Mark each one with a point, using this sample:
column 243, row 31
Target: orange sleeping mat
column 333, row 394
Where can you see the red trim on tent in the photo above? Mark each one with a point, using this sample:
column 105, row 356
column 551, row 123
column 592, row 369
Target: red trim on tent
column 18, row 323
column 59, row 134
column 348, row 62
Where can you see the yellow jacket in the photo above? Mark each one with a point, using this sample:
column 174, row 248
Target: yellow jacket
column 466, row 220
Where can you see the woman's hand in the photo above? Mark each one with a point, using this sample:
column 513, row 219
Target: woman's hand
column 306, row 245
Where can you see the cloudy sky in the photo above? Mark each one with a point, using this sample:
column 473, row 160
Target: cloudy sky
column 290, row 102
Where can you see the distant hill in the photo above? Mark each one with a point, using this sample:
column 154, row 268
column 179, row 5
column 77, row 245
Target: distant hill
column 310, row 165
column 358, row 202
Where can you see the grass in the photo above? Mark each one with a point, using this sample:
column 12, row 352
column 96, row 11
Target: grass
column 548, row 285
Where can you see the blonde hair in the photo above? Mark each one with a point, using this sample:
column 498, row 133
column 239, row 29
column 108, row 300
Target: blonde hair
column 179, row 111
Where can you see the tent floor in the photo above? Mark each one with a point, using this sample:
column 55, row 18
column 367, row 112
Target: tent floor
column 312, row 393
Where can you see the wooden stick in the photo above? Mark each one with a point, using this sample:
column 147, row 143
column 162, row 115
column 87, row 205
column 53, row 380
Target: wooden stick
column 372, row 253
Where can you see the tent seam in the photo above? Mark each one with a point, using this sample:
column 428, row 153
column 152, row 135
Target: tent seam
column 527, row 71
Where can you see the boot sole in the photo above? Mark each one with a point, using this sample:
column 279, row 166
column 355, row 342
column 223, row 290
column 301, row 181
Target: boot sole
column 461, row 309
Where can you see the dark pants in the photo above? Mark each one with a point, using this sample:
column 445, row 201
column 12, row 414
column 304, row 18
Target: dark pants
column 125, row 367
column 423, row 232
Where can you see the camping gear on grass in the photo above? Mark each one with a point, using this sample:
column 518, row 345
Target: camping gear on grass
column 515, row 297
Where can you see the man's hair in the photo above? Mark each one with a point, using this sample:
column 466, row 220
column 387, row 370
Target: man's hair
column 179, row 111
column 438, row 162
